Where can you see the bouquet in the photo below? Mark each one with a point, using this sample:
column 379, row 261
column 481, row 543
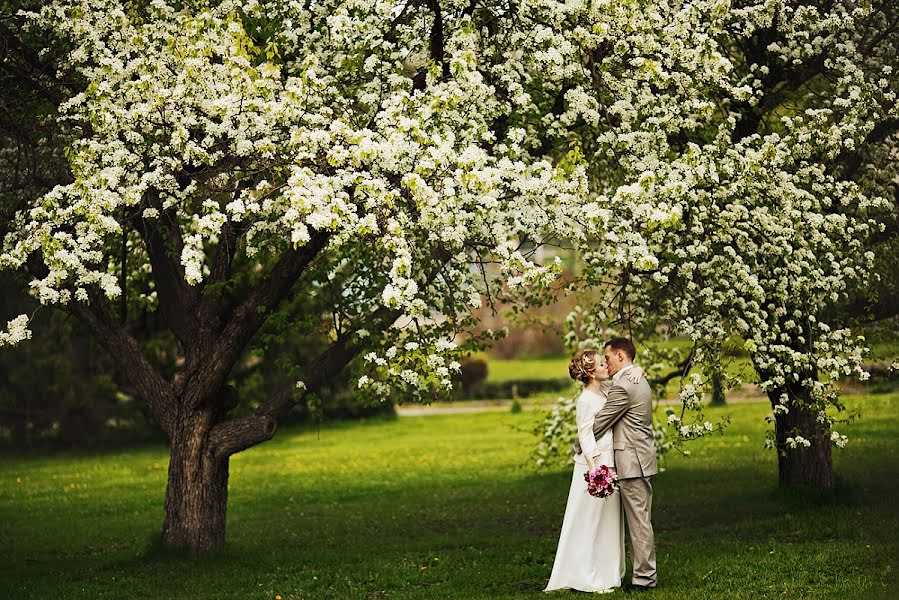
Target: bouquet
column 601, row 482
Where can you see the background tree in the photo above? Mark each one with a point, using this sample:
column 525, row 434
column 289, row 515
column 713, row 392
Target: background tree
column 739, row 165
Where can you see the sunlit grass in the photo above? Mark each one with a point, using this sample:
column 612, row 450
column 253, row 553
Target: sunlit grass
column 448, row 507
column 527, row 368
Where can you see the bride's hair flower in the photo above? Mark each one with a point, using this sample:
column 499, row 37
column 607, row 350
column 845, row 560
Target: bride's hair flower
column 582, row 365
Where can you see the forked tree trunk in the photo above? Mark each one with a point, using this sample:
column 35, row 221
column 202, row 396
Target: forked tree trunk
column 196, row 496
column 812, row 466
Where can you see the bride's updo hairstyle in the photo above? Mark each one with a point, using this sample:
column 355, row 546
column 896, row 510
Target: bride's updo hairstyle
column 582, row 365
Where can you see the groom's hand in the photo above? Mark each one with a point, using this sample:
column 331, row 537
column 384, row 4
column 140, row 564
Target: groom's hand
column 634, row 375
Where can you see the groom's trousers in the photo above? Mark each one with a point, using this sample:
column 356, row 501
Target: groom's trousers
column 636, row 496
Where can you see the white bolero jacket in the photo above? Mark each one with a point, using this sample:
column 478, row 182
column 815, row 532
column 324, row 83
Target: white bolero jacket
column 588, row 404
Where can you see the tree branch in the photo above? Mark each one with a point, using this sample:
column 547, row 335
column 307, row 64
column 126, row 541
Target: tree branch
column 177, row 298
column 210, row 300
column 436, row 47
column 208, row 365
column 873, row 310
column 853, row 161
column 790, row 81
column 233, row 436
column 33, row 71
column 236, row 435
column 155, row 390
column 244, row 432
column 437, row 50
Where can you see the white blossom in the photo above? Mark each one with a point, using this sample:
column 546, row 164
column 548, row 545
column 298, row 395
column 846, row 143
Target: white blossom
column 16, row 331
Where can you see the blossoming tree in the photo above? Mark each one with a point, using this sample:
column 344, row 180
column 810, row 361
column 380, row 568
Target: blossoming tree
column 722, row 166
column 224, row 158
column 742, row 165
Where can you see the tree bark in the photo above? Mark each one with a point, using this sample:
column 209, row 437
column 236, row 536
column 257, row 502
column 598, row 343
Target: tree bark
column 812, row 466
column 718, row 397
column 196, row 496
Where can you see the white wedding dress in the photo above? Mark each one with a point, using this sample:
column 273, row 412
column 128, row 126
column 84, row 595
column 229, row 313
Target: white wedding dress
column 590, row 556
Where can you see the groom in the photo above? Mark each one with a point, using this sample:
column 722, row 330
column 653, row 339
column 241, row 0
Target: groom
column 628, row 411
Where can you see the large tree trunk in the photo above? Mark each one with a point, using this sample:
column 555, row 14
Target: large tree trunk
column 812, row 466
column 196, row 495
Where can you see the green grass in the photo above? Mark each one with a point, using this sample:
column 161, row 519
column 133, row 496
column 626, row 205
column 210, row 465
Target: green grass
column 527, row 368
column 885, row 351
column 448, row 507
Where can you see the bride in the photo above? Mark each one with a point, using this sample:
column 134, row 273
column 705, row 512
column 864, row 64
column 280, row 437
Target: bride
column 590, row 557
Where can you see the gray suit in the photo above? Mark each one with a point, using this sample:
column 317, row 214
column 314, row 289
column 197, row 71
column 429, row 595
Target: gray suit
column 628, row 411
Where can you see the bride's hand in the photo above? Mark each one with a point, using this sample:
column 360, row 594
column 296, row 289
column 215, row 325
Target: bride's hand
column 634, row 375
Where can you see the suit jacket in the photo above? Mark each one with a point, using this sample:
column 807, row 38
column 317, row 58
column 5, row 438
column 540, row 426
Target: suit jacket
column 628, row 412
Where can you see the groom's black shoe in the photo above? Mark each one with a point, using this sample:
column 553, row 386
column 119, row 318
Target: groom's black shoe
column 632, row 587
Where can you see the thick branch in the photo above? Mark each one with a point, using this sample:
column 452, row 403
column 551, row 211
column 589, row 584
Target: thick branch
column 239, row 434
column 436, row 47
column 873, row 310
column 327, row 364
column 209, row 364
column 32, row 71
column 777, row 93
column 547, row 144
column 682, row 370
column 437, row 51
column 210, row 303
column 331, row 361
column 233, row 436
column 155, row 390
column 853, row 161
column 236, row 435
column 177, row 298
column 244, row 432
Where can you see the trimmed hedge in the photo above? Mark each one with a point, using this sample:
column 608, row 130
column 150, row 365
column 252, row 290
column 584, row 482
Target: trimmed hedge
column 521, row 388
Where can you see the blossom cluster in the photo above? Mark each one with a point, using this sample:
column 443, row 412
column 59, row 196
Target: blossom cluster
column 275, row 126
column 16, row 331
column 700, row 175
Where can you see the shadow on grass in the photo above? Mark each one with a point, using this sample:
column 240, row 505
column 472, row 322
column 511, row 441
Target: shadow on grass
column 724, row 528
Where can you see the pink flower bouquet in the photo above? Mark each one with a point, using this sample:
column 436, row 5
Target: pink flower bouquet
column 601, row 482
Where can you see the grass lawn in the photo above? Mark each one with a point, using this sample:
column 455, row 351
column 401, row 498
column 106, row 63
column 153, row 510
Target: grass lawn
column 527, row 368
column 448, row 507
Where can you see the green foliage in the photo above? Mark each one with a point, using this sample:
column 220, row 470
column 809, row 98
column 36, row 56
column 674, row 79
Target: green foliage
column 448, row 508
column 60, row 388
column 472, row 373
column 515, row 378
column 299, row 330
